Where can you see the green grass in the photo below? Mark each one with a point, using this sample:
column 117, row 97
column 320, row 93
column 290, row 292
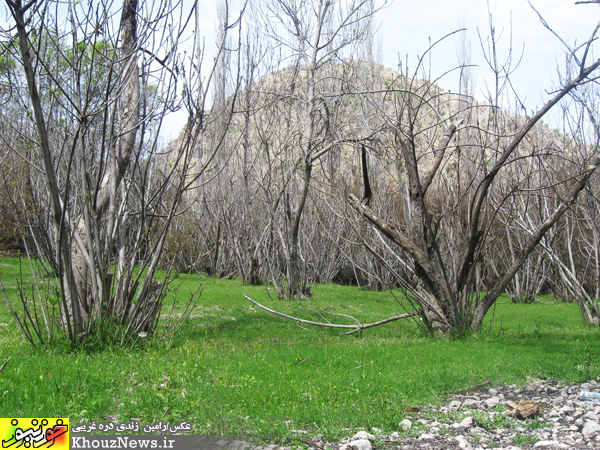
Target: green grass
column 263, row 376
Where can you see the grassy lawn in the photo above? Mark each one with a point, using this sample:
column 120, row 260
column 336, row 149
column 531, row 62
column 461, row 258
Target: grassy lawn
column 237, row 370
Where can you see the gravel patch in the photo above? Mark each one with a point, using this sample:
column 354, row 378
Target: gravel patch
column 544, row 414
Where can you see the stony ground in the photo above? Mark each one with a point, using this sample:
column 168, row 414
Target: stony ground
column 484, row 418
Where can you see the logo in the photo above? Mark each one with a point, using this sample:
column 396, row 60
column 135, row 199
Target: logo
column 35, row 433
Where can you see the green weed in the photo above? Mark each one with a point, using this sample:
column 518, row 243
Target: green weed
column 524, row 438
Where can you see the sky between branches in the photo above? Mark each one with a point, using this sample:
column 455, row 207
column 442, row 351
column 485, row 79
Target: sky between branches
column 406, row 28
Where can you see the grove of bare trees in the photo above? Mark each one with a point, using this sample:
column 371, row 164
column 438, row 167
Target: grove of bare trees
column 303, row 161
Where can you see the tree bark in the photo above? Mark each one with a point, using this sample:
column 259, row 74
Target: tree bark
column 86, row 277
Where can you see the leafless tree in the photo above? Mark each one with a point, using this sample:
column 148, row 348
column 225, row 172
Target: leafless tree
column 455, row 174
column 99, row 89
column 572, row 247
column 314, row 36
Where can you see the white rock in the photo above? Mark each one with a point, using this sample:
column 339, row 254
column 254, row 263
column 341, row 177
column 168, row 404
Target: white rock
column 360, row 444
column 590, row 428
column 462, row 442
column 406, row 424
column 568, row 423
column 492, row 402
column 454, row 404
column 362, row 435
column 471, row 403
column 545, row 444
column 467, row 422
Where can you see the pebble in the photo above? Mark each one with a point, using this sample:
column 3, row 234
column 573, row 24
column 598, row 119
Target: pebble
column 406, row 424
column 590, row 429
column 359, row 444
column 455, row 404
column 363, row 435
column 471, row 403
column 546, row 444
column 467, row 422
column 492, row 402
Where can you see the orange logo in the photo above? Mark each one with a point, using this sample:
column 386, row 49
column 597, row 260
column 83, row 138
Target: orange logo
column 35, row 433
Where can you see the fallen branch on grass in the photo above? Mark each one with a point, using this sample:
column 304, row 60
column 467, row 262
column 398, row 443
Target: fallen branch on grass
column 5, row 363
column 354, row 328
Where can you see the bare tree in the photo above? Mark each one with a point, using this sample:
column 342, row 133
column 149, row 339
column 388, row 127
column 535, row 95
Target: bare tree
column 314, row 36
column 455, row 175
column 99, row 94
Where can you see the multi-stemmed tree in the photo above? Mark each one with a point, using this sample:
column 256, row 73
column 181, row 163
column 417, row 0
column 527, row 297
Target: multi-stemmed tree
column 98, row 86
column 458, row 164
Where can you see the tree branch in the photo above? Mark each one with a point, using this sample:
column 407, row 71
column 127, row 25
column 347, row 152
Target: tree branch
column 353, row 328
column 484, row 187
column 5, row 363
column 533, row 241
column 438, row 158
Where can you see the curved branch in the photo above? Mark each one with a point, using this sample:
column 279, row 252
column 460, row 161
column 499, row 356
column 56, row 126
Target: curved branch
column 353, row 328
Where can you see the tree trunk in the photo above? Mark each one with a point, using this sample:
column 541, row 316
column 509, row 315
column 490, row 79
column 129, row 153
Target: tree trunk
column 93, row 288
